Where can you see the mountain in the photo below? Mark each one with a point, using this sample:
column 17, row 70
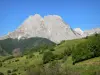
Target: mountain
column 87, row 32
column 92, row 31
column 51, row 27
column 79, row 31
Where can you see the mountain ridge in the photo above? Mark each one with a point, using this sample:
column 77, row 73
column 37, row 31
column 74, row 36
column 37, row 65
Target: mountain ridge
column 51, row 27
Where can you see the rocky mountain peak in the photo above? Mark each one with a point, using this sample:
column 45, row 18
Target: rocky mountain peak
column 51, row 27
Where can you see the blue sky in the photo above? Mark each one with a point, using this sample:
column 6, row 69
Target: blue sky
column 77, row 13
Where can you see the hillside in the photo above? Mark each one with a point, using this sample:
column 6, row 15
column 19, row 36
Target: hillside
column 59, row 60
column 8, row 45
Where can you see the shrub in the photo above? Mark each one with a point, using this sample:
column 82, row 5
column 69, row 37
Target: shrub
column 9, row 71
column 41, row 52
column 9, row 62
column 1, row 73
column 52, row 49
column 68, row 51
column 48, row 56
column 33, row 71
column 4, row 66
column 53, row 68
column 19, row 73
column 13, row 74
column 25, row 69
column 26, row 62
column 29, row 56
column 0, row 64
column 60, row 56
column 64, row 58
column 16, row 60
column 14, row 70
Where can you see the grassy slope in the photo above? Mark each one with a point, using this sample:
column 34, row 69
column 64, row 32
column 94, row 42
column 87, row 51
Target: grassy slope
column 20, row 65
column 87, row 67
column 69, row 43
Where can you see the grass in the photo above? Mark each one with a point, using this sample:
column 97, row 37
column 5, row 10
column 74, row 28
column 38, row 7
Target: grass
column 87, row 67
column 69, row 43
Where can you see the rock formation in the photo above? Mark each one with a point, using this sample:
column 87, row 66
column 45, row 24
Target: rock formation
column 51, row 27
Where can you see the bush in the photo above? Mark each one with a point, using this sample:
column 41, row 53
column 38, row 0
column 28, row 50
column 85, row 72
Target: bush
column 13, row 74
column 29, row 56
column 48, row 56
column 60, row 56
column 16, row 60
column 1, row 73
column 9, row 71
column 19, row 73
column 41, row 52
column 0, row 64
column 33, row 71
column 53, row 68
column 14, row 70
column 9, row 62
column 68, row 51
column 52, row 49
column 64, row 58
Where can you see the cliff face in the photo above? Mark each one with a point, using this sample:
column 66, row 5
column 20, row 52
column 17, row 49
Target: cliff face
column 51, row 27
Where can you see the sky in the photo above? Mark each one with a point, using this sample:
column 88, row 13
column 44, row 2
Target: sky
column 84, row 14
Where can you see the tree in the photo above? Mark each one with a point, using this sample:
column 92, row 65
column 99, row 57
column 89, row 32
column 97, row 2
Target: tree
column 48, row 56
